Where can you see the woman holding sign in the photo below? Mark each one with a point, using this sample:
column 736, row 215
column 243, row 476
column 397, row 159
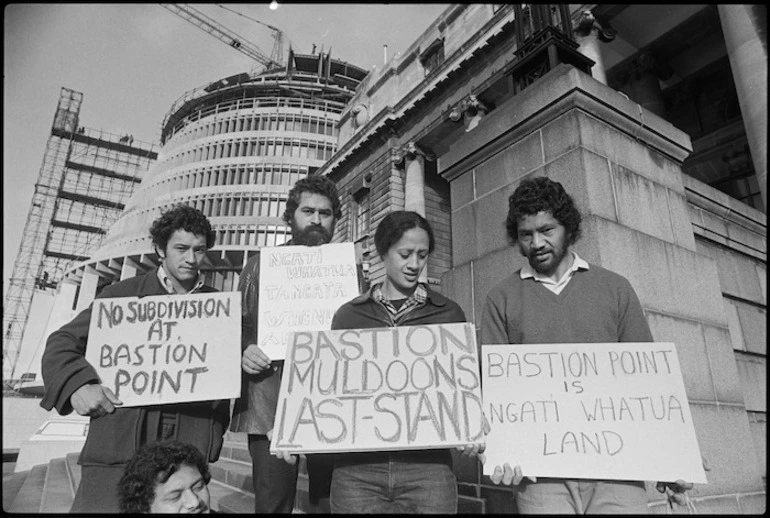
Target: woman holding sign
column 407, row 481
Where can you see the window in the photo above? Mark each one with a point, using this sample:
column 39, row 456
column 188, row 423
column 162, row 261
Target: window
column 360, row 208
column 433, row 56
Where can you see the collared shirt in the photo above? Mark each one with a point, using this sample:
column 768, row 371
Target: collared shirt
column 166, row 282
column 416, row 300
column 555, row 286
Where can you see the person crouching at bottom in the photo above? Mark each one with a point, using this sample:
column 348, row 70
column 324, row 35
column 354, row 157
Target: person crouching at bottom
column 165, row 477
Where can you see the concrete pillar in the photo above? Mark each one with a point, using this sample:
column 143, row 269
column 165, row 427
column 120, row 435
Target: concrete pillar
column 748, row 59
column 414, row 184
column 128, row 270
column 590, row 34
column 87, row 288
column 643, row 85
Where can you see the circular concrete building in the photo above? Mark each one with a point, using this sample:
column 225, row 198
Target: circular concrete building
column 232, row 149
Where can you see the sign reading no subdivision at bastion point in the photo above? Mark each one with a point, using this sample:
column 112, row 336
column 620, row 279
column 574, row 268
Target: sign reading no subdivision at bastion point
column 167, row 348
column 397, row 388
column 600, row 411
column 300, row 289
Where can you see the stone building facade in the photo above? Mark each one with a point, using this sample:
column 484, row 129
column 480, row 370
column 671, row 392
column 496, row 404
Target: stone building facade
column 670, row 182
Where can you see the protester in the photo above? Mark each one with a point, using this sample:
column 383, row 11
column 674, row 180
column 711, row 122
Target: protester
column 181, row 238
column 312, row 210
column 165, row 477
column 413, row 481
column 559, row 298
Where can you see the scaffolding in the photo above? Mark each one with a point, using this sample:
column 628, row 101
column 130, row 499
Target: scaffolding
column 84, row 181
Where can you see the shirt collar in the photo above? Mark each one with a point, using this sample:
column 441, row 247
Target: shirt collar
column 166, row 282
column 420, row 295
column 527, row 272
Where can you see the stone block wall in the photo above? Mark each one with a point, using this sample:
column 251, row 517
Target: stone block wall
column 623, row 167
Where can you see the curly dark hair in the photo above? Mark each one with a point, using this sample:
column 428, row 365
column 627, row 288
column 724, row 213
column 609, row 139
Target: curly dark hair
column 152, row 464
column 541, row 194
column 395, row 224
column 183, row 217
column 313, row 184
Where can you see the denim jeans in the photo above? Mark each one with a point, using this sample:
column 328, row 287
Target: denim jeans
column 394, row 485
column 560, row 496
column 275, row 480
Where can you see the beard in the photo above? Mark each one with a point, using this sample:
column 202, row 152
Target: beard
column 548, row 268
column 312, row 235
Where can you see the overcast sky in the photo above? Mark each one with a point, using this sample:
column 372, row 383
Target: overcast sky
column 132, row 61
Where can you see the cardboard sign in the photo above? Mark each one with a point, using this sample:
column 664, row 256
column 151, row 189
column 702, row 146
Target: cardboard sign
column 167, row 348
column 601, row 411
column 395, row 388
column 300, row 288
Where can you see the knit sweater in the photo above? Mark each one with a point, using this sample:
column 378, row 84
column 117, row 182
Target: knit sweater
column 597, row 306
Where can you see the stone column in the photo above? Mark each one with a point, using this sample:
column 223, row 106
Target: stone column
column 589, row 34
column 641, row 78
column 748, row 60
column 414, row 183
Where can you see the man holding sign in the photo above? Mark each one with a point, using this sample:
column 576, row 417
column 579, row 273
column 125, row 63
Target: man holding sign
column 181, row 237
column 560, row 298
column 312, row 211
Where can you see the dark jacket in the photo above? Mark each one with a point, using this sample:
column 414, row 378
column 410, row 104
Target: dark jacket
column 112, row 439
column 363, row 312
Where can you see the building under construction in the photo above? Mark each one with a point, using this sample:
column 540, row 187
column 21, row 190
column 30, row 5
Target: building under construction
column 84, row 181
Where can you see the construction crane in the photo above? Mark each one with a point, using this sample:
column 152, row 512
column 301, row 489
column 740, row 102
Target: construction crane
column 229, row 37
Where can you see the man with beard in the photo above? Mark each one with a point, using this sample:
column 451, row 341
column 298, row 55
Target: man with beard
column 312, row 210
column 559, row 298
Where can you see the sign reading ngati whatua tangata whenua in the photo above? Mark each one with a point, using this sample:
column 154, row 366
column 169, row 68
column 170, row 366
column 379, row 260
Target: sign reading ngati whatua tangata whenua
column 167, row 348
column 300, row 288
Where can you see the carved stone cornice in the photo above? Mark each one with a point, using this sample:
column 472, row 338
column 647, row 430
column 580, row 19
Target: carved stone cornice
column 409, row 151
column 587, row 23
column 642, row 63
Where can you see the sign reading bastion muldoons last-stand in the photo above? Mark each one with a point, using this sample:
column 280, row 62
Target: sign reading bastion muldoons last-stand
column 396, row 388
column 167, row 348
column 597, row 410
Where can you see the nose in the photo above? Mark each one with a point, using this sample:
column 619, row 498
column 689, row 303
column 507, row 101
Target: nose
column 537, row 240
column 189, row 256
column 413, row 263
column 192, row 500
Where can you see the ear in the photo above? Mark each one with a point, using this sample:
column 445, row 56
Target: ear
column 162, row 255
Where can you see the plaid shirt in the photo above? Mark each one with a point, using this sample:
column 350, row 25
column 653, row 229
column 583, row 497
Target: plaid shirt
column 418, row 299
column 166, row 282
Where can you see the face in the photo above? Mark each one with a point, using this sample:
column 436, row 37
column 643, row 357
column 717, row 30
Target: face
column 313, row 221
column 183, row 258
column 404, row 262
column 184, row 492
column 543, row 241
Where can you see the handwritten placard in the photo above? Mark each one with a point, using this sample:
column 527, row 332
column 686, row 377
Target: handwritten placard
column 392, row 388
column 602, row 411
column 168, row 348
column 300, row 288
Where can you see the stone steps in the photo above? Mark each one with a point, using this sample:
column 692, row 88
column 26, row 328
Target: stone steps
column 57, row 490
column 30, row 494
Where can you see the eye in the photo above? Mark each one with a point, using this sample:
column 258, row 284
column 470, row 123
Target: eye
column 325, row 213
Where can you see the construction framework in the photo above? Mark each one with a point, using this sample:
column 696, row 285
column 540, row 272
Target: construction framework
column 84, row 181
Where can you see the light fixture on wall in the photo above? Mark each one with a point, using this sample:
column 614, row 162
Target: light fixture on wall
column 273, row 5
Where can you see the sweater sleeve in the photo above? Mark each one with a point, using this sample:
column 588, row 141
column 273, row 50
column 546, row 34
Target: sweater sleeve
column 632, row 325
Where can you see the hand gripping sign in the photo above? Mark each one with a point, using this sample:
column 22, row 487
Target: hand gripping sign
column 300, row 288
column 167, row 348
column 598, row 410
column 395, row 388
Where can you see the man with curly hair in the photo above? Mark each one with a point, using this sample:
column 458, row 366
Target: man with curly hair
column 165, row 477
column 559, row 298
column 312, row 211
column 181, row 237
